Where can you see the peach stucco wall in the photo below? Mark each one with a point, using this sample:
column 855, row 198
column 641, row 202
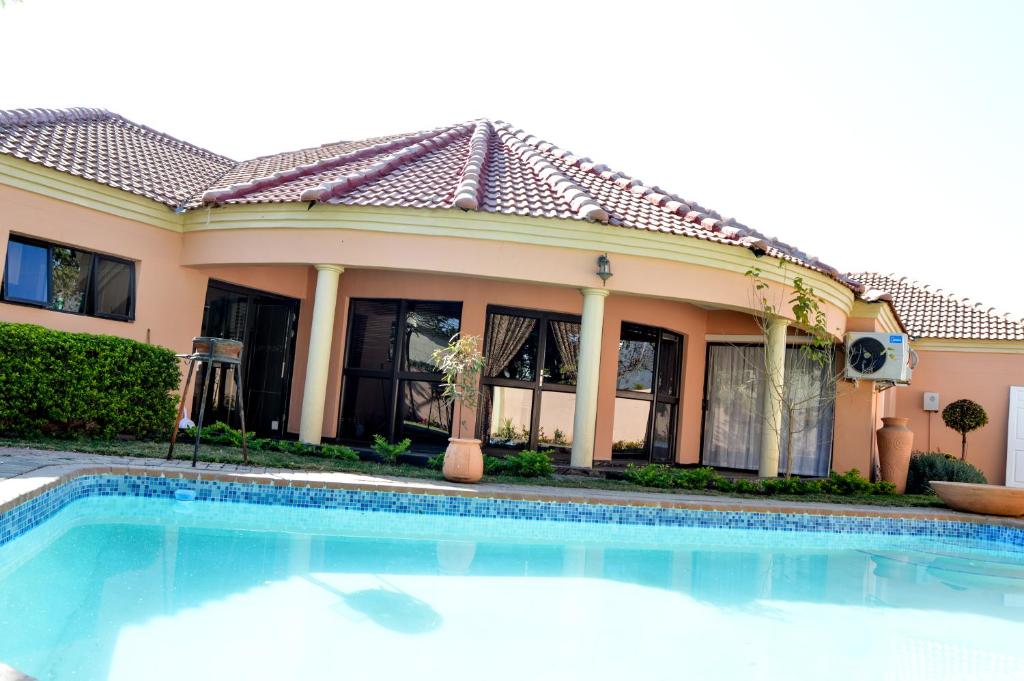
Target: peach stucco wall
column 559, row 266
column 986, row 378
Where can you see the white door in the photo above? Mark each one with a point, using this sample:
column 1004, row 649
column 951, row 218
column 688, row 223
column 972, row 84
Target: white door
column 1015, row 439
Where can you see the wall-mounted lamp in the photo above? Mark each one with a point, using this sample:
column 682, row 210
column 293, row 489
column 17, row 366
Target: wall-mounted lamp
column 604, row 268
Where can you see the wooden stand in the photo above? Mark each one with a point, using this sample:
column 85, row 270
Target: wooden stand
column 211, row 351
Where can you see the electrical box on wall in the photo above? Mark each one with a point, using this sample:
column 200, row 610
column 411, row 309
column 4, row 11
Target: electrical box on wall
column 931, row 401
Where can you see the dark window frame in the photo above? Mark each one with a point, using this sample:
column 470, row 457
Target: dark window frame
column 655, row 397
column 91, row 292
column 395, row 374
column 537, row 385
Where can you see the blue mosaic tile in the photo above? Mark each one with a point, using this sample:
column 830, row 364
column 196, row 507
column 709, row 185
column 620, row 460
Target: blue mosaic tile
column 34, row 512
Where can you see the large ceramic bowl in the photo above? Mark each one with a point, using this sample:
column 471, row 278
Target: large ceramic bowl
column 986, row 499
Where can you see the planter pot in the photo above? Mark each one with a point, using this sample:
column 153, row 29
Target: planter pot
column 986, row 499
column 895, row 441
column 463, row 460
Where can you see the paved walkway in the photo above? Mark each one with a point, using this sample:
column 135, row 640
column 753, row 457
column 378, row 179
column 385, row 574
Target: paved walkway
column 26, row 472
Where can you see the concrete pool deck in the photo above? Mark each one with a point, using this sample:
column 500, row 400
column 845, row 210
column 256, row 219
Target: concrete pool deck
column 26, row 473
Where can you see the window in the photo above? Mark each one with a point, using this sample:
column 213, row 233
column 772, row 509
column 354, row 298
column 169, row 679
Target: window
column 391, row 387
column 733, row 423
column 68, row 279
column 529, row 379
column 647, row 394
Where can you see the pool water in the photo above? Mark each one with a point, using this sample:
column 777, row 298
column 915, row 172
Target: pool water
column 144, row 589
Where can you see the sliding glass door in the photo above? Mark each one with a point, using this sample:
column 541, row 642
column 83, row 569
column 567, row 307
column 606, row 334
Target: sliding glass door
column 266, row 324
column 390, row 385
column 733, row 422
column 647, row 394
column 529, row 380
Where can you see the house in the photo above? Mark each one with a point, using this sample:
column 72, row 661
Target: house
column 965, row 350
column 613, row 313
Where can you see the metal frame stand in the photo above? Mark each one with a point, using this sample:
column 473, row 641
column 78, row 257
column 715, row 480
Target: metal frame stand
column 210, row 357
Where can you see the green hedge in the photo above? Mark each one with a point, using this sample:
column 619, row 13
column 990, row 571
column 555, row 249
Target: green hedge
column 850, row 483
column 66, row 384
column 927, row 466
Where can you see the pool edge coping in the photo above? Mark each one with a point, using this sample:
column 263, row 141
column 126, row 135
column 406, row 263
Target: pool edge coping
column 20, row 489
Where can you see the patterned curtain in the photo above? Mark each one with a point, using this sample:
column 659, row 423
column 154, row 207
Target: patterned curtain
column 505, row 335
column 567, row 340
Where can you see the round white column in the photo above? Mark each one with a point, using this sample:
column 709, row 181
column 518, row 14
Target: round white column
column 321, row 335
column 588, row 369
column 771, row 402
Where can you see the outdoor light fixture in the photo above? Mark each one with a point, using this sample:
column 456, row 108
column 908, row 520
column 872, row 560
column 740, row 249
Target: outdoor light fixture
column 604, row 268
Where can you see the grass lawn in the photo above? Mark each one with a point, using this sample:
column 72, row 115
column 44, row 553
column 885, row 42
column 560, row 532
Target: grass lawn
column 310, row 462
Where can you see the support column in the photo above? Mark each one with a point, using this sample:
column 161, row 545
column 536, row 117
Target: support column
column 321, row 335
column 588, row 369
column 771, row 403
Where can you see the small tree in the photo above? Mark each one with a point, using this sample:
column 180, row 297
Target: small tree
column 805, row 401
column 964, row 416
column 460, row 364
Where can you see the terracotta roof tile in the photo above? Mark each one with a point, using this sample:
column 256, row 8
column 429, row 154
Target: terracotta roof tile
column 479, row 165
column 104, row 147
column 932, row 313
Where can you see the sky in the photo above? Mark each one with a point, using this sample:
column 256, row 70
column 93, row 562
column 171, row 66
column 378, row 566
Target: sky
column 882, row 136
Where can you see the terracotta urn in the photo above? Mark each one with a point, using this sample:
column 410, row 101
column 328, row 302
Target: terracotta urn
column 463, row 460
column 895, row 441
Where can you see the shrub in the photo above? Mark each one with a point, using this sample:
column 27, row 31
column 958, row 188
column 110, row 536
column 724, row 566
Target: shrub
column 849, row 482
column 651, row 475
column 339, row 452
column 528, row 464
column 493, row 465
column 221, row 434
column 698, row 478
column 705, row 478
column 437, row 462
column 927, row 466
column 67, row 384
column 964, row 416
column 387, row 451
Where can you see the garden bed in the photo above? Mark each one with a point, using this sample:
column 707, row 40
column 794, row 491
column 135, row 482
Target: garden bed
column 318, row 462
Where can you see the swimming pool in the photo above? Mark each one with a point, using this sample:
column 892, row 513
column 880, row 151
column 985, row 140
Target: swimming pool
column 108, row 577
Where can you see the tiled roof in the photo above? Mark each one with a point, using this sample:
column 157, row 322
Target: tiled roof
column 102, row 146
column 485, row 166
column 475, row 166
column 932, row 313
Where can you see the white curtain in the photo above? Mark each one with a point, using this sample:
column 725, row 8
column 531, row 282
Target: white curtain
column 733, row 423
column 806, row 385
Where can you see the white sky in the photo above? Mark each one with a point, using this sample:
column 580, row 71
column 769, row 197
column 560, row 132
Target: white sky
column 885, row 136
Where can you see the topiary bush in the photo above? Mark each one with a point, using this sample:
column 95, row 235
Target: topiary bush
column 964, row 416
column 927, row 466
column 67, row 384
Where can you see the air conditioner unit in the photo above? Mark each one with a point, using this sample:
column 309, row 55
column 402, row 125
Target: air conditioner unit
column 879, row 357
